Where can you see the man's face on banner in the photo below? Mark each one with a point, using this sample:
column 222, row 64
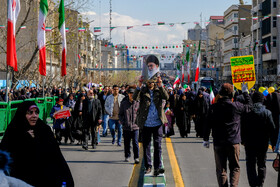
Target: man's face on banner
column 152, row 69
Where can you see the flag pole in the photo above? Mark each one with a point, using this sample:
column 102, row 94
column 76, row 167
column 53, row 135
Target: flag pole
column 7, row 87
column 44, row 81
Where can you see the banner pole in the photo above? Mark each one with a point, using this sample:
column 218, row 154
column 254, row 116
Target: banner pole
column 7, row 86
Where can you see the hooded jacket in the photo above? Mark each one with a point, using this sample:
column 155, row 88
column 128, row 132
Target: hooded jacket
column 258, row 127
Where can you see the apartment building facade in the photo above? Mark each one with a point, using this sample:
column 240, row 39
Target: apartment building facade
column 234, row 29
column 264, row 35
column 214, row 45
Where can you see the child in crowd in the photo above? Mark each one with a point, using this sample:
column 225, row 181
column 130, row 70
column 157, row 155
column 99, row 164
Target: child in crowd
column 169, row 130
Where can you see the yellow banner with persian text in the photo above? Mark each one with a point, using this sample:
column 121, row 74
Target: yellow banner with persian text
column 243, row 69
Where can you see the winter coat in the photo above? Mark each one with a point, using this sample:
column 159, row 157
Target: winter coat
column 58, row 123
column 38, row 161
column 224, row 120
column 91, row 119
column 109, row 103
column 258, row 127
column 128, row 113
column 143, row 95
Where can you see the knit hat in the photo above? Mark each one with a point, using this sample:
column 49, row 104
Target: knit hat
column 59, row 100
column 258, row 97
column 226, row 90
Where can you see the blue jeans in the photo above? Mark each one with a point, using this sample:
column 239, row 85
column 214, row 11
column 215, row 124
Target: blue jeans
column 98, row 135
column 105, row 119
column 112, row 126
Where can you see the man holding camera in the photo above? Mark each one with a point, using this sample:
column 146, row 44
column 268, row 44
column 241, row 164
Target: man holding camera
column 151, row 116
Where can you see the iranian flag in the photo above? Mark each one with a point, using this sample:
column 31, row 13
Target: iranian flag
column 182, row 70
column 61, row 27
column 41, row 36
column 188, row 63
column 13, row 12
column 212, row 96
column 198, row 60
column 177, row 81
column 266, row 47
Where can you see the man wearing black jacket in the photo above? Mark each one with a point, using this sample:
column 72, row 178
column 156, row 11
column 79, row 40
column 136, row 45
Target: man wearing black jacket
column 127, row 116
column 92, row 117
column 257, row 129
column 224, row 120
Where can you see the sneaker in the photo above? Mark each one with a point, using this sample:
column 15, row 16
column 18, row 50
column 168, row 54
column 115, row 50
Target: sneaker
column 148, row 170
column 158, row 171
column 126, row 159
column 113, row 141
column 136, row 161
column 119, row 144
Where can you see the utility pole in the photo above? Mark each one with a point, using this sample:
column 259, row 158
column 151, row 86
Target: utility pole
column 110, row 23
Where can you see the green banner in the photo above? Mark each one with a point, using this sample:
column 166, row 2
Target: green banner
column 236, row 61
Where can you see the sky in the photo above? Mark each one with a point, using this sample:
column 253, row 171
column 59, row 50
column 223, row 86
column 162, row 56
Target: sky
column 138, row 12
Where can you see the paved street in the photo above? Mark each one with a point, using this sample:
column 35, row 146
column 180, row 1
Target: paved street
column 105, row 166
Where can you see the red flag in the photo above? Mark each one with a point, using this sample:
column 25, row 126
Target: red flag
column 13, row 12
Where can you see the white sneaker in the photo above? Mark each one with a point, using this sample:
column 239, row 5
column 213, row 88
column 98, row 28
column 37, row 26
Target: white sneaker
column 126, row 159
column 136, row 161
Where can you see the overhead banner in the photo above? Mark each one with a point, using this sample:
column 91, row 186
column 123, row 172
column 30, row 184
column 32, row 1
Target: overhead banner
column 243, row 69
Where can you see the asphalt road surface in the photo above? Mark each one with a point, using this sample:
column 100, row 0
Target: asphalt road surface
column 105, row 166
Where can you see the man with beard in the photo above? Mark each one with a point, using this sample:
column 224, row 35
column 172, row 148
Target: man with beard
column 153, row 66
column 92, row 117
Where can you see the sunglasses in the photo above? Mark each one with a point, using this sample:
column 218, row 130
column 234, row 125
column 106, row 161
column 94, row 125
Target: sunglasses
column 30, row 112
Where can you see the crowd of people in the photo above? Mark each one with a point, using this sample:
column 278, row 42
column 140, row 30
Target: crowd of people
column 145, row 112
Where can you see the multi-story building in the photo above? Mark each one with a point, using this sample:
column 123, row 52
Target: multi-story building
column 234, row 28
column 264, row 28
column 197, row 33
column 214, row 43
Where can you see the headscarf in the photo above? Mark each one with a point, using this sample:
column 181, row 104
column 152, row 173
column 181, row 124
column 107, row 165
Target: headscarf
column 19, row 119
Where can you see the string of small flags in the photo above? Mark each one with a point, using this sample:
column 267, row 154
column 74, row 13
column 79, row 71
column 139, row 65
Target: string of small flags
column 139, row 47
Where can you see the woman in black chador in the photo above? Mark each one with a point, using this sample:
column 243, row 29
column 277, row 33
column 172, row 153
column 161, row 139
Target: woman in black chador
column 182, row 116
column 201, row 112
column 36, row 156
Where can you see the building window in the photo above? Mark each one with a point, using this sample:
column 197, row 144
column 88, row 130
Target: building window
column 235, row 15
column 235, row 40
column 274, row 4
column 274, row 39
column 274, row 21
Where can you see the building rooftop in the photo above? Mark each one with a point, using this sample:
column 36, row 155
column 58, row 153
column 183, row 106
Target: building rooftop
column 216, row 17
